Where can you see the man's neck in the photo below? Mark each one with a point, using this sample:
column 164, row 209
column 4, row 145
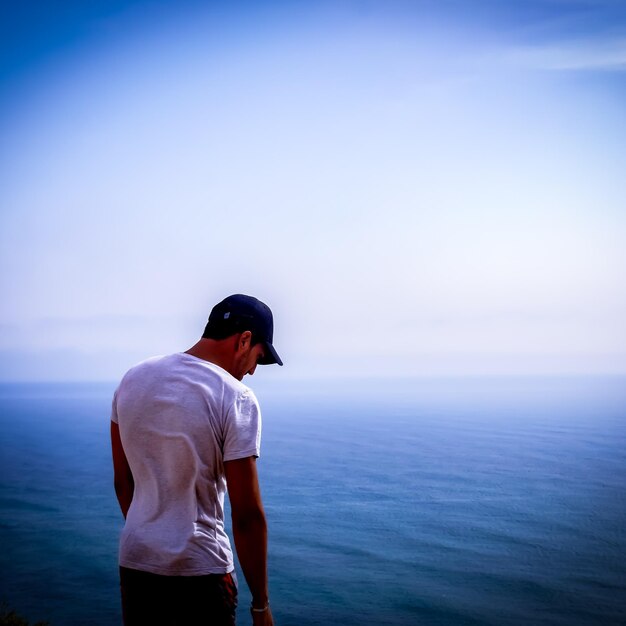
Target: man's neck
column 215, row 351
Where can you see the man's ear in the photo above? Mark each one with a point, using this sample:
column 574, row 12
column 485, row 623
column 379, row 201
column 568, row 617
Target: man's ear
column 245, row 339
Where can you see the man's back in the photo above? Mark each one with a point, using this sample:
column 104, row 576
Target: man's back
column 180, row 418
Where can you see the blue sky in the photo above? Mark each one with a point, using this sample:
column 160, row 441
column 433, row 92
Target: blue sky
column 414, row 187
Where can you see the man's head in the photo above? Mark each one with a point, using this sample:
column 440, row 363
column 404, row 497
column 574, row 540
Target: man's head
column 248, row 322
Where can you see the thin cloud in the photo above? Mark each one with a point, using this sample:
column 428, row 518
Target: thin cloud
column 584, row 55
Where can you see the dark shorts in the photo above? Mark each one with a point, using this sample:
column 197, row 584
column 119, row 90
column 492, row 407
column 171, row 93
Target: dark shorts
column 156, row 600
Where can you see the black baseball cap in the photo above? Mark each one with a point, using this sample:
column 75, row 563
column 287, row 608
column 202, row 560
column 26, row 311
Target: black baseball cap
column 239, row 313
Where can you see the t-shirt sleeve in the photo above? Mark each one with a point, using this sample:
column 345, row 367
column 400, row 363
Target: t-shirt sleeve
column 242, row 433
column 114, row 417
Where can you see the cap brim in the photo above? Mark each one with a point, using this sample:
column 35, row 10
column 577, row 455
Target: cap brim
column 271, row 356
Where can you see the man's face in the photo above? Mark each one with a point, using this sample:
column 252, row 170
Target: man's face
column 247, row 360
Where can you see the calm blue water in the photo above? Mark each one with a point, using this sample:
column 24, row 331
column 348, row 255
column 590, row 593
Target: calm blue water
column 431, row 502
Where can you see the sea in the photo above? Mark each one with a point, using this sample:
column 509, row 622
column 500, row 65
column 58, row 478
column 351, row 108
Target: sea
column 433, row 501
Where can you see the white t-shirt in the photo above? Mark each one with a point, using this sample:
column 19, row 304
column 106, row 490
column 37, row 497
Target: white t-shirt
column 180, row 418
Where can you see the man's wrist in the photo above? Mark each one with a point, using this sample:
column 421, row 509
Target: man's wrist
column 260, row 599
column 257, row 607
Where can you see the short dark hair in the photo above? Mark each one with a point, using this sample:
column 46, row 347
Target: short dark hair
column 223, row 331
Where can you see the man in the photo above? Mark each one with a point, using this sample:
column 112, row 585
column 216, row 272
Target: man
column 183, row 429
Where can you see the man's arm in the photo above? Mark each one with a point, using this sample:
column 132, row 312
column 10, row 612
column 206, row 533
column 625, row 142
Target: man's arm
column 122, row 476
column 250, row 531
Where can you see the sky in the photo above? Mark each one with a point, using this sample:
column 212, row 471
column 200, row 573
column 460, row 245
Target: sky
column 415, row 188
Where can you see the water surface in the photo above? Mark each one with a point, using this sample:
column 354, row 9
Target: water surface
column 430, row 501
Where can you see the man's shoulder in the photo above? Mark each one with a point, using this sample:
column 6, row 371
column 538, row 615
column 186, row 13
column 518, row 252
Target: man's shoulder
column 150, row 363
column 213, row 371
column 234, row 386
column 183, row 366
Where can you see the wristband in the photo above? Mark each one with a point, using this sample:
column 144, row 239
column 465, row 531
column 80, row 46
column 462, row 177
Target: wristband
column 267, row 606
